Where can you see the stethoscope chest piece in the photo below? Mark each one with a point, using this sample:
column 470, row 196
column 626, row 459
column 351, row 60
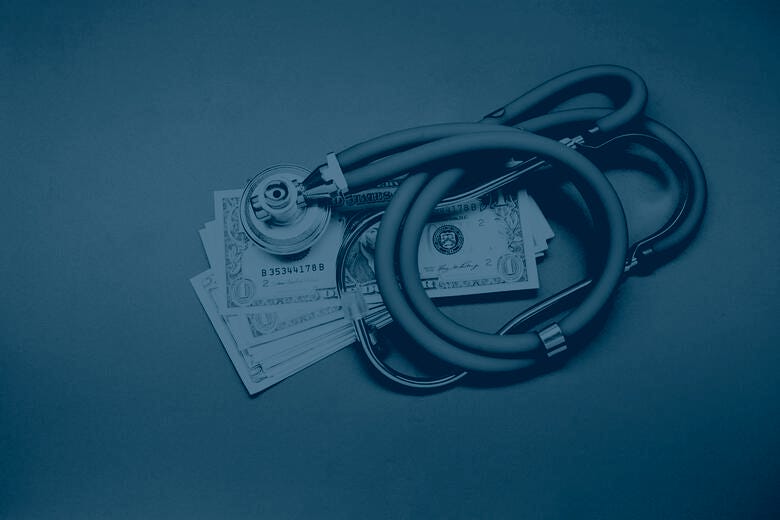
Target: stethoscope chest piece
column 274, row 214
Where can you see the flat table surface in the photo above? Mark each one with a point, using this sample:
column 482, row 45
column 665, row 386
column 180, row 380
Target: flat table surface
column 117, row 120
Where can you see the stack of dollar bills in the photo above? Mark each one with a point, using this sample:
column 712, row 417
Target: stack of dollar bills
column 277, row 315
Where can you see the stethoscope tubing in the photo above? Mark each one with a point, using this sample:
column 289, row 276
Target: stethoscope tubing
column 431, row 153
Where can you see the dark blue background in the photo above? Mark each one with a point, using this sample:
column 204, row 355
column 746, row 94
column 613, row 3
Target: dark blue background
column 117, row 121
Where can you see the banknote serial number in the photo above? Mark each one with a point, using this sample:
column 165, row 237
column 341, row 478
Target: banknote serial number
column 292, row 269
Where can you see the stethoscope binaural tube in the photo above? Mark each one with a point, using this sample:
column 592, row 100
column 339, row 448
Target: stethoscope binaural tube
column 437, row 149
column 645, row 253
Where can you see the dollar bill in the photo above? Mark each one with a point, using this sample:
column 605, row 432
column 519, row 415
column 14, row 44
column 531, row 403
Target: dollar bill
column 252, row 280
column 485, row 247
column 541, row 230
column 289, row 320
column 478, row 246
column 320, row 340
column 475, row 247
column 253, row 377
column 262, row 366
column 271, row 322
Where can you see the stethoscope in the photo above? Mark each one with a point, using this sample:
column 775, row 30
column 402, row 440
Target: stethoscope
column 286, row 209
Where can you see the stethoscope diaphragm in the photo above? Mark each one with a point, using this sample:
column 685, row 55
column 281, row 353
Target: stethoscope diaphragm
column 274, row 214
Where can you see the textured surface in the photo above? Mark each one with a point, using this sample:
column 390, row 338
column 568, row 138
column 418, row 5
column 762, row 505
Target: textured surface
column 116, row 399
